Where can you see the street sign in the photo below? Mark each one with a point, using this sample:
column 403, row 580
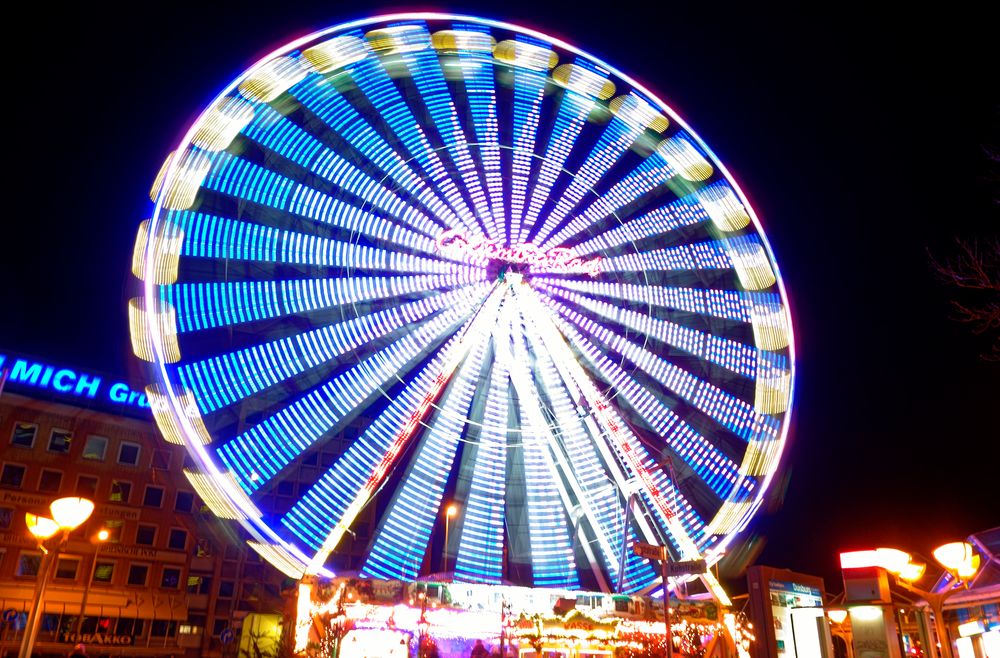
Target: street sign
column 10, row 615
column 649, row 551
column 226, row 636
column 686, row 568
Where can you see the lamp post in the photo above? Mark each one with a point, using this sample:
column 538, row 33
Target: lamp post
column 449, row 513
column 961, row 561
column 67, row 515
column 102, row 536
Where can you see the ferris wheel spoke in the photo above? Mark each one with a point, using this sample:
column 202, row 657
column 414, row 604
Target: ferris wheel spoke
column 401, row 541
column 224, row 379
column 426, row 72
column 207, row 236
column 713, row 466
column 597, row 471
column 334, row 111
column 373, row 80
column 730, row 412
column 529, row 91
column 735, row 305
column 281, row 135
column 220, row 304
column 737, row 358
column 613, row 143
column 476, row 63
column 480, row 547
column 626, row 460
column 258, row 454
column 374, row 466
column 706, row 255
column 648, row 176
column 574, row 109
column 650, row 225
column 229, row 175
column 555, row 474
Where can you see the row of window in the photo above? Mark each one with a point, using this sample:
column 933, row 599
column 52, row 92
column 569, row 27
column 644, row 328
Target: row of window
column 68, row 569
column 55, row 624
column 12, row 476
column 95, row 449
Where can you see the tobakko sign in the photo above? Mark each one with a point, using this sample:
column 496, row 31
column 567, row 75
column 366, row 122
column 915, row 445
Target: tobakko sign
column 73, row 385
column 100, row 639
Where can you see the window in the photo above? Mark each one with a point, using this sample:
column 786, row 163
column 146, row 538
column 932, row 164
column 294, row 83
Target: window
column 121, row 491
column 59, row 441
column 95, row 447
column 145, row 535
column 219, row 625
column 6, row 517
column 24, row 435
column 161, row 460
column 86, row 486
column 130, row 626
column 67, row 567
column 226, row 589
column 28, row 564
column 199, row 584
column 137, row 574
column 163, row 628
column 114, row 528
column 104, row 571
column 171, row 578
column 50, row 480
column 128, row 453
column 153, row 496
column 184, row 502
column 12, row 475
column 178, row 539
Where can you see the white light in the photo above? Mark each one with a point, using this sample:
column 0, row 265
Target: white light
column 69, row 513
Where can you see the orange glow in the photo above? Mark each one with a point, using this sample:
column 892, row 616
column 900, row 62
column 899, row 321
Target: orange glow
column 837, row 616
column 958, row 557
column 452, row 511
column 41, row 526
column 102, row 535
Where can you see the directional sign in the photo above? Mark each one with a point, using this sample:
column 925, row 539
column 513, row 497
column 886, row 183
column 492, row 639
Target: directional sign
column 649, row 551
column 10, row 615
column 226, row 636
column 686, row 568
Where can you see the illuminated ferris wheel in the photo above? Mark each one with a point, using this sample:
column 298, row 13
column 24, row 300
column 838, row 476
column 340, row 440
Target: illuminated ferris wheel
column 494, row 270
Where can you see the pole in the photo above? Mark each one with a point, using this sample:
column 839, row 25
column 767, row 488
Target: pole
column 86, row 593
column 665, row 567
column 937, row 607
column 444, row 553
column 36, row 612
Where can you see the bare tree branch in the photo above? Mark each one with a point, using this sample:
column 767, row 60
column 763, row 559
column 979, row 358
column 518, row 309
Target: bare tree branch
column 974, row 271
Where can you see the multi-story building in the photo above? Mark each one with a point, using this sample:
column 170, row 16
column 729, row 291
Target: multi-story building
column 170, row 579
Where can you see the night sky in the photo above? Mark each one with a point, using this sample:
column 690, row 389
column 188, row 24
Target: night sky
column 858, row 138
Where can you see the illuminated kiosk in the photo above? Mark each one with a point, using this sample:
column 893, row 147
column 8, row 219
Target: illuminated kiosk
column 422, row 260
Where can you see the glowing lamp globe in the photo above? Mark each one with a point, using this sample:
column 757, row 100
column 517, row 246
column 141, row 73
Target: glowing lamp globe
column 473, row 263
column 41, row 526
column 958, row 557
column 70, row 513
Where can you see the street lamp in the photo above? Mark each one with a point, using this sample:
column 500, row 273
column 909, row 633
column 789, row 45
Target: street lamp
column 961, row 561
column 67, row 515
column 101, row 537
column 449, row 513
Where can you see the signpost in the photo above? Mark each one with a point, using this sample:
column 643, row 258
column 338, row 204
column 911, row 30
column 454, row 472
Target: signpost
column 668, row 569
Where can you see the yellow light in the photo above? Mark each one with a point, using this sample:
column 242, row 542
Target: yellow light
column 770, row 330
column 866, row 613
column 398, row 39
column 452, row 511
column 685, row 159
column 751, row 264
column 892, row 559
column 70, row 512
column 452, row 40
column 583, row 81
column 525, row 55
column 913, row 571
column 41, row 526
column 958, row 557
column 271, row 79
column 103, row 534
column 724, row 208
column 142, row 336
column 837, row 616
column 335, row 54
column 636, row 112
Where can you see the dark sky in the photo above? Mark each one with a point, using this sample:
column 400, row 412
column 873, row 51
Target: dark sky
column 858, row 137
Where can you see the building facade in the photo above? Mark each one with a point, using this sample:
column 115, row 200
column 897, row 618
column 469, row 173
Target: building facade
column 170, row 580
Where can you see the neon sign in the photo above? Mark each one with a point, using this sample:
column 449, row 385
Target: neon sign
column 69, row 382
column 458, row 244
